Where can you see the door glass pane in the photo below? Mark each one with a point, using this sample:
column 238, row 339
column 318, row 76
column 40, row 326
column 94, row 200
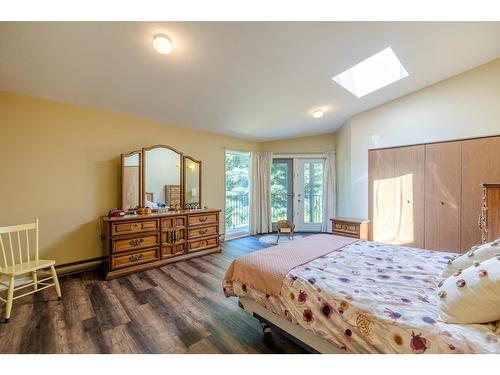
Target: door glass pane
column 279, row 191
column 313, row 192
column 237, row 191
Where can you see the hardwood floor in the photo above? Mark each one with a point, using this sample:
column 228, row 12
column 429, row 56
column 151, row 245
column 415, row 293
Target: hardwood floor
column 178, row 308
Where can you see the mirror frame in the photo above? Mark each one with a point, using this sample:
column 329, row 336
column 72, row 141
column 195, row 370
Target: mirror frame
column 181, row 174
column 184, row 177
column 140, row 177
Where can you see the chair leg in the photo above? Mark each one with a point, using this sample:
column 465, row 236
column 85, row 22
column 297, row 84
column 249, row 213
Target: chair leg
column 56, row 281
column 35, row 280
column 10, row 299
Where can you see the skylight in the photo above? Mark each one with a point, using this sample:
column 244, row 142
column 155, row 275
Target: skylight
column 372, row 74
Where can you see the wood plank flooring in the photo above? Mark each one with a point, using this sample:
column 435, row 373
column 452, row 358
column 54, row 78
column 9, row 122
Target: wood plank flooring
column 179, row 308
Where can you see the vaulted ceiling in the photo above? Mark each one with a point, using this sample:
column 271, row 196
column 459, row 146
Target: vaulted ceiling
column 255, row 80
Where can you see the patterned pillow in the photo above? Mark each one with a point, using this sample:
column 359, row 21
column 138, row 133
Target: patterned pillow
column 477, row 253
column 472, row 295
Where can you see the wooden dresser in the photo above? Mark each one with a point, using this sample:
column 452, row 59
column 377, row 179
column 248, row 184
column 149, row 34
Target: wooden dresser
column 489, row 219
column 139, row 242
column 356, row 228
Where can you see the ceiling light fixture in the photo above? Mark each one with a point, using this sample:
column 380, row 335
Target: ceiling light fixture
column 162, row 44
column 318, row 113
column 372, row 74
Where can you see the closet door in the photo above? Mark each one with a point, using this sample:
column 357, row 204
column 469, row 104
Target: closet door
column 396, row 195
column 409, row 183
column 480, row 164
column 381, row 190
column 443, row 174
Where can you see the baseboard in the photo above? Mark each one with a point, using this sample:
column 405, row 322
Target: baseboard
column 80, row 266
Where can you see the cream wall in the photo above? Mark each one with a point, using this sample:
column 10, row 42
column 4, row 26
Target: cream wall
column 317, row 143
column 61, row 163
column 464, row 106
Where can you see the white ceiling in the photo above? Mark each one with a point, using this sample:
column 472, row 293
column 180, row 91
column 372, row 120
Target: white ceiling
column 254, row 80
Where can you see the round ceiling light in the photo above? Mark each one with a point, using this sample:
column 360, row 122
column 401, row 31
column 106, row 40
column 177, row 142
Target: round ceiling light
column 318, row 113
column 162, row 44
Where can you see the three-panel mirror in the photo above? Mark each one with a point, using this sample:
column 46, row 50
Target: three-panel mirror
column 160, row 177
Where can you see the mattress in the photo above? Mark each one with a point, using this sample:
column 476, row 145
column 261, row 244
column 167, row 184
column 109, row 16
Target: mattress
column 368, row 297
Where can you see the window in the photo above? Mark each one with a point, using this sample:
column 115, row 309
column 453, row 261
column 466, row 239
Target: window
column 313, row 192
column 237, row 193
column 372, row 74
column 281, row 190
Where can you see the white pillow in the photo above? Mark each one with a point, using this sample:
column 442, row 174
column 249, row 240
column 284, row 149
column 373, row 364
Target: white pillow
column 477, row 253
column 472, row 295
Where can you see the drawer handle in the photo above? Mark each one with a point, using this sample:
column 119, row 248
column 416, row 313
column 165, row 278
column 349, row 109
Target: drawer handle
column 203, row 219
column 203, row 231
column 136, row 241
column 135, row 258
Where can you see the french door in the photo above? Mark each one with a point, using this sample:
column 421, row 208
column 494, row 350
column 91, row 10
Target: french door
column 308, row 200
column 281, row 191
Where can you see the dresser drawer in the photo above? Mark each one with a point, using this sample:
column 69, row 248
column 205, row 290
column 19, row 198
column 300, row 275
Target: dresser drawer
column 203, row 219
column 134, row 227
column 202, row 232
column 176, row 221
column 199, row 245
column 133, row 243
column 173, row 250
column 131, row 259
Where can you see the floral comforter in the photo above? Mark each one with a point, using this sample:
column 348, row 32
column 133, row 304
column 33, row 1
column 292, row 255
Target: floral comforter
column 369, row 297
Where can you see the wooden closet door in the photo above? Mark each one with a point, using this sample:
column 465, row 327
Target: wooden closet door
column 443, row 176
column 381, row 190
column 480, row 164
column 409, row 180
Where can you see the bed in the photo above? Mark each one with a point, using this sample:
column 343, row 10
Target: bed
column 338, row 295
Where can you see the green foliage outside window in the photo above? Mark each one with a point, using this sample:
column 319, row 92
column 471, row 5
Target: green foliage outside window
column 237, row 189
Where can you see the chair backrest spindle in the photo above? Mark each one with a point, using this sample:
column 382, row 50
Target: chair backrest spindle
column 3, row 252
column 36, row 239
column 19, row 247
column 12, row 259
column 27, row 244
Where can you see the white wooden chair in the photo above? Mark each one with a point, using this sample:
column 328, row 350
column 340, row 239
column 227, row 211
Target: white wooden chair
column 16, row 260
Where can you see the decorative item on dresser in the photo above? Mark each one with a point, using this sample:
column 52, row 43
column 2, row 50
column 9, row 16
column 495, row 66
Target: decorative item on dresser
column 489, row 219
column 135, row 243
column 356, row 228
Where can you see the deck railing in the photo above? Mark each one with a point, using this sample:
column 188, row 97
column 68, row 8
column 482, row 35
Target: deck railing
column 237, row 211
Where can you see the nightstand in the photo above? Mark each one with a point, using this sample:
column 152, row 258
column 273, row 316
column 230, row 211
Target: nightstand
column 356, row 228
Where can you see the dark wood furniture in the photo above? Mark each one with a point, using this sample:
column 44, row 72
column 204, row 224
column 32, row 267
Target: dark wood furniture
column 356, row 228
column 489, row 219
column 139, row 242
